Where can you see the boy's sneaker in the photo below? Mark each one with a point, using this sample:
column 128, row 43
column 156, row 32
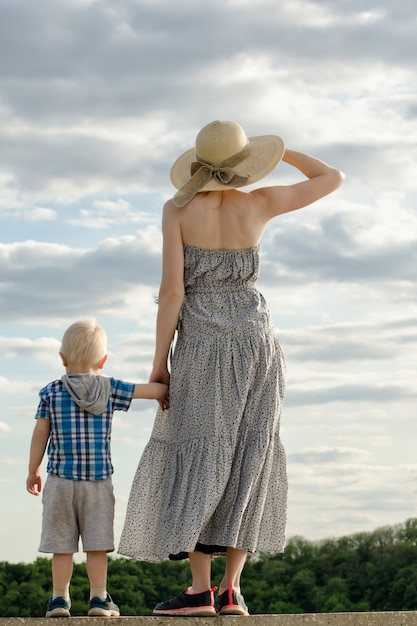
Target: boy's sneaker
column 103, row 608
column 58, row 607
column 231, row 602
column 193, row 604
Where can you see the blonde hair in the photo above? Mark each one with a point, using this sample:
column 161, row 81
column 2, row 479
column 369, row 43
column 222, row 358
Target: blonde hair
column 84, row 342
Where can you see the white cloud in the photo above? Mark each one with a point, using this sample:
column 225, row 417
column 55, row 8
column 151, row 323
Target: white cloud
column 14, row 387
column 326, row 455
column 39, row 214
column 24, row 347
column 9, row 194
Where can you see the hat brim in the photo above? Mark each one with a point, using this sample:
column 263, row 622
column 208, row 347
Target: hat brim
column 265, row 154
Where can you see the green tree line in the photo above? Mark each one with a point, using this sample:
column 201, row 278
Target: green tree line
column 369, row 571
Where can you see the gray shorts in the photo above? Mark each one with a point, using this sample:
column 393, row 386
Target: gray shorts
column 74, row 509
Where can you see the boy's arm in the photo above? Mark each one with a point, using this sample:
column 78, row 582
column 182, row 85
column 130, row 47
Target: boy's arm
column 37, row 450
column 153, row 391
column 150, row 391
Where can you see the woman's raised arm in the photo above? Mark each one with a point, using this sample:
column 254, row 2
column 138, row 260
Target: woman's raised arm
column 322, row 179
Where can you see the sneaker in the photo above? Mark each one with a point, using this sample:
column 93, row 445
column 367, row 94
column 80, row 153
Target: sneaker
column 58, row 607
column 193, row 604
column 231, row 602
column 103, row 608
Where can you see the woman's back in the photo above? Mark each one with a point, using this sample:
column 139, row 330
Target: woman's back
column 221, row 220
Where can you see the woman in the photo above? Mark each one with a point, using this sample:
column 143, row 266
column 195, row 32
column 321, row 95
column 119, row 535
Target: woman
column 212, row 479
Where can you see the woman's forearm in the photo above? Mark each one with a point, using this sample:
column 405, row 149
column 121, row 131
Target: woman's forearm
column 166, row 323
column 310, row 166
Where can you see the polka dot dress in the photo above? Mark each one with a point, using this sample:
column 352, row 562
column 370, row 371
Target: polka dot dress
column 214, row 473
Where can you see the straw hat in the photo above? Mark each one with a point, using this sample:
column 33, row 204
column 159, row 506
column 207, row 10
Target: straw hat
column 224, row 158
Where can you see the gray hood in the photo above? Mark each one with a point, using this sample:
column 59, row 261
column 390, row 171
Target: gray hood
column 90, row 392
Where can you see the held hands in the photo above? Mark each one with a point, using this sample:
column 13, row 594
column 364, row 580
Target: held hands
column 161, row 375
column 34, row 484
column 163, row 398
column 164, row 403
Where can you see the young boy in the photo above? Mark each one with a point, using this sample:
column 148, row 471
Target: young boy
column 75, row 416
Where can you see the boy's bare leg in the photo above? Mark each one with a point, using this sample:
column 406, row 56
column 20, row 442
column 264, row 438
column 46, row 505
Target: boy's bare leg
column 62, row 566
column 96, row 567
column 101, row 603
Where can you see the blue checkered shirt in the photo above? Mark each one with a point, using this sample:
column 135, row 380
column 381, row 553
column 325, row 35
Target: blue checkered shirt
column 79, row 442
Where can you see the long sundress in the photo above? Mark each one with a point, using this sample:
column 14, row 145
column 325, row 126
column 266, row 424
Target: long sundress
column 213, row 473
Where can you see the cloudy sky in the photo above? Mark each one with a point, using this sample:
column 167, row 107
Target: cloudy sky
column 97, row 98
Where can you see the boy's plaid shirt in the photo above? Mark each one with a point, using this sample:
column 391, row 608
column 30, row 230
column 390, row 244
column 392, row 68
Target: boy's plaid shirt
column 79, row 443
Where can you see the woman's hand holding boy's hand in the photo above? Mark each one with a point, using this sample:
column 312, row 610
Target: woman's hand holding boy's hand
column 161, row 375
column 163, row 396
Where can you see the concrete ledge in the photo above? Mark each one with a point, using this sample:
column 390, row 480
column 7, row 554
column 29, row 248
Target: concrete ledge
column 394, row 618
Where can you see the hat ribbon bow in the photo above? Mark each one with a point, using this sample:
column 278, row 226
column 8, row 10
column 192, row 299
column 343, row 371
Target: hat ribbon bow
column 202, row 172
